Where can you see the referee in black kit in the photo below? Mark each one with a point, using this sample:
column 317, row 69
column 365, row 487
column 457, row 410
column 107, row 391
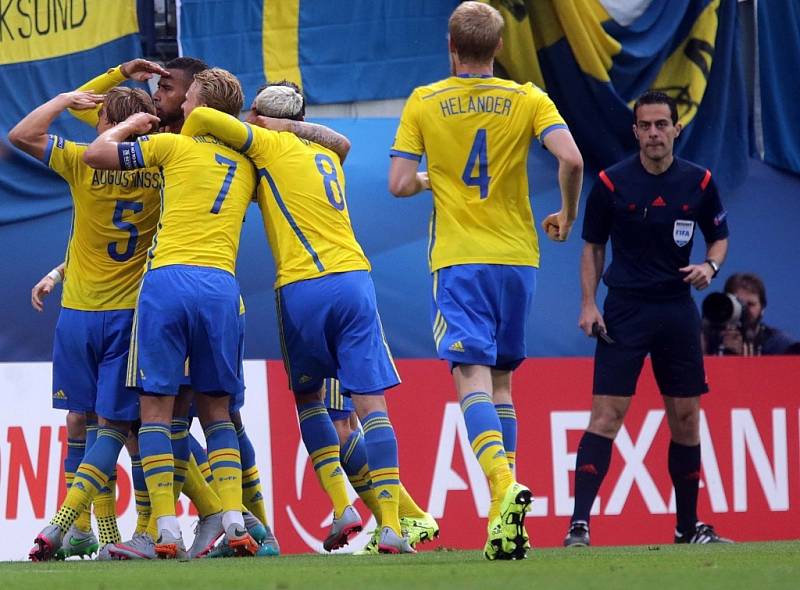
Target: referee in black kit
column 650, row 205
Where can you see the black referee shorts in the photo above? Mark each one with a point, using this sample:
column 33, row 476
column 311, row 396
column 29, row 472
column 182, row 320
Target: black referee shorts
column 667, row 329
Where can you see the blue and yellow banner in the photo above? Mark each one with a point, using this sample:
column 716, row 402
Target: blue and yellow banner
column 337, row 51
column 46, row 48
column 595, row 57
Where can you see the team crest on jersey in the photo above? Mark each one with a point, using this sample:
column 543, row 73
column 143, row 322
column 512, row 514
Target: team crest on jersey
column 682, row 231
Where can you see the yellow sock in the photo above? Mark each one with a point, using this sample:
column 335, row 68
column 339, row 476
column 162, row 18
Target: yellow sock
column 512, row 459
column 362, row 484
column 227, row 470
column 407, row 506
column 84, row 521
column 159, row 483
column 499, row 481
column 199, row 492
column 495, row 465
column 331, row 477
column 152, row 527
column 79, row 496
column 386, row 484
column 251, row 494
column 105, row 513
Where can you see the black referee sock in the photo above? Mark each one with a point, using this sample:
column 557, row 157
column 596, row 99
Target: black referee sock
column 684, row 469
column 591, row 466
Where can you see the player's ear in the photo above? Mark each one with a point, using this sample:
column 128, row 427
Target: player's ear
column 678, row 129
column 499, row 47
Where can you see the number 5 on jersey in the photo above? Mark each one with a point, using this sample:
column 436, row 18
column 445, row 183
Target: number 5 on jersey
column 478, row 156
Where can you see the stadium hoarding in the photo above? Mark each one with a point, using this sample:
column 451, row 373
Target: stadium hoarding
column 750, row 429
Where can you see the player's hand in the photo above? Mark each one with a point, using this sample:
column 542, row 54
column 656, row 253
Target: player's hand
column 41, row 290
column 81, row 100
column 557, row 226
column 698, row 275
column 141, row 123
column 590, row 315
column 272, row 123
column 424, row 181
column 142, row 69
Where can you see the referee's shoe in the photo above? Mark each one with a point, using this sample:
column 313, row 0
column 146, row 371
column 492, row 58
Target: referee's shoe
column 578, row 534
column 703, row 533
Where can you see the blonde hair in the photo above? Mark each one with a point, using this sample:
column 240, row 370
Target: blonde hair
column 475, row 31
column 221, row 90
column 283, row 102
column 121, row 102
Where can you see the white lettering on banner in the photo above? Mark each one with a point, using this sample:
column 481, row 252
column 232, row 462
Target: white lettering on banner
column 444, row 478
column 634, row 470
column 564, row 461
column 32, row 446
column 745, row 437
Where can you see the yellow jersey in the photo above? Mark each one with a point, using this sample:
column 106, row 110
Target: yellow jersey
column 207, row 187
column 113, row 222
column 301, row 193
column 475, row 133
column 99, row 85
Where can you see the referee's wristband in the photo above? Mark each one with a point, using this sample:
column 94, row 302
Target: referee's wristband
column 55, row 274
column 714, row 266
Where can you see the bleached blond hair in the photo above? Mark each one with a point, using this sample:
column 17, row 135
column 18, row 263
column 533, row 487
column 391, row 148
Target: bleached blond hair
column 280, row 100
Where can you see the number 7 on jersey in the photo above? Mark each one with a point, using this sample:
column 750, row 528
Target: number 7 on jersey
column 226, row 184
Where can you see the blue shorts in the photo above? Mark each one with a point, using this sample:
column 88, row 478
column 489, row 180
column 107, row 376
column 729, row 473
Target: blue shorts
column 237, row 399
column 337, row 401
column 479, row 312
column 186, row 312
column 667, row 329
column 90, row 358
column 330, row 327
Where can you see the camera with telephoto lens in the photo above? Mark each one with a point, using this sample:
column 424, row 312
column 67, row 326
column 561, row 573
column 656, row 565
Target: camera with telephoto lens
column 722, row 309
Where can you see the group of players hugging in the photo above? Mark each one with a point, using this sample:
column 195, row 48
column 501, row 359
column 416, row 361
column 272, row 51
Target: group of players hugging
column 151, row 330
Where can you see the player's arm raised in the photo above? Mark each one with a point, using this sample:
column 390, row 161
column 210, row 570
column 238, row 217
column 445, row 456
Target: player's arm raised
column 30, row 134
column 560, row 143
column 136, row 69
column 227, row 128
column 313, row 132
column 105, row 153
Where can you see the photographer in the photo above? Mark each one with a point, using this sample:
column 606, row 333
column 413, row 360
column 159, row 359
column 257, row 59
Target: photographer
column 733, row 321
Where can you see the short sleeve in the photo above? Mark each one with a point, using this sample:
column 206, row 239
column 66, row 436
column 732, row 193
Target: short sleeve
column 147, row 151
column 712, row 217
column 546, row 117
column 64, row 157
column 408, row 141
column 598, row 216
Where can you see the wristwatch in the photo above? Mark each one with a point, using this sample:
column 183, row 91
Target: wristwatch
column 714, row 266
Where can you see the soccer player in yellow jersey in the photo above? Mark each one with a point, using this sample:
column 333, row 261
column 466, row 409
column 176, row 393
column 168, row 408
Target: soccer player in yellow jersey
column 475, row 130
column 326, row 304
column 188, row 305
column 114, row 221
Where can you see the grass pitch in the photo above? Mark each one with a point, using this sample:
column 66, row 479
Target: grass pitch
column 761, row 566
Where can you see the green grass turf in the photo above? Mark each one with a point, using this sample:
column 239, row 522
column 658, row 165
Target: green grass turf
column 758, row 566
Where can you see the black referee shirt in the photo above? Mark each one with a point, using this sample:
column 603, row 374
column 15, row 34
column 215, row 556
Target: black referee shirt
column 652, row 220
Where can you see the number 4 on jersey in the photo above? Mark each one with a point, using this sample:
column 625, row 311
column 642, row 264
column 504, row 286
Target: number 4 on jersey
column 478, row 155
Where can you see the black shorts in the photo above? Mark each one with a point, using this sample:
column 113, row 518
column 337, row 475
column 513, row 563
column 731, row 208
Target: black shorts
column 667, row 329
